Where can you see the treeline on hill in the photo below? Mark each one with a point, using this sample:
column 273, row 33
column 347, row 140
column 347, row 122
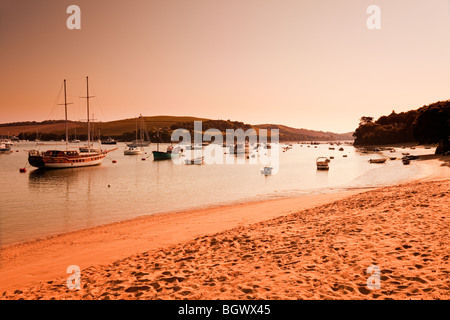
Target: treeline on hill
column 427, row 125
column 221, row 125
column 162, row 134
column 33, row 123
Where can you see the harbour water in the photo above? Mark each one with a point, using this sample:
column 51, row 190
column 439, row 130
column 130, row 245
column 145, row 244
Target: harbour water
column 40, row 203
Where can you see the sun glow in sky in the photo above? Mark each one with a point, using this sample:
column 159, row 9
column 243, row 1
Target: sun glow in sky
column 308, row 64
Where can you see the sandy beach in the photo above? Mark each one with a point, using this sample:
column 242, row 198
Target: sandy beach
column 316, row 247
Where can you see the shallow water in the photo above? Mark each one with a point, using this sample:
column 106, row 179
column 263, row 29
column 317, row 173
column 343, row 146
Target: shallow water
column 45, row 202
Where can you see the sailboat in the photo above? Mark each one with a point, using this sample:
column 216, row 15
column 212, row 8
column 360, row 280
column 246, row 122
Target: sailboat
column 140, row 142
column 170, row 153
column 137, row 146
column 58, row 159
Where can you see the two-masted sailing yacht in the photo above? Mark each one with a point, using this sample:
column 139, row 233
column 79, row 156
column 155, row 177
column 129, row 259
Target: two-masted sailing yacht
column 57, row 159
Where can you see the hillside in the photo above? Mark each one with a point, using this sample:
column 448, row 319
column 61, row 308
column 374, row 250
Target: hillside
column 293, row 134
column 125, row 129
column 429, row 124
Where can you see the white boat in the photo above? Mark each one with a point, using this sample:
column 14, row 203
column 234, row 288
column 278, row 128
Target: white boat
column 322, row 163
column 267, row 171
column 59, row 159
column 141, row 131
column 133, row 150
column 5, row 148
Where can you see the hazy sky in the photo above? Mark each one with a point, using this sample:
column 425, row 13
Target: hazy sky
column 309, row 64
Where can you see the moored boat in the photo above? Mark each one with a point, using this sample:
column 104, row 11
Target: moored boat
column 109, row 141
column 170, row 153
column 5, row 147
column 198, row 160
column 59, row 159
column 322, row 163
column 133, row 151
column 380, row 160
column 267, row 171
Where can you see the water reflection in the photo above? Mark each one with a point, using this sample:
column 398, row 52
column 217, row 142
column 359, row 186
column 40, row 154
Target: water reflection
column 40, row 176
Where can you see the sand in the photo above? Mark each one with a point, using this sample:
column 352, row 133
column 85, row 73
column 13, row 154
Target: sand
column 315, row 247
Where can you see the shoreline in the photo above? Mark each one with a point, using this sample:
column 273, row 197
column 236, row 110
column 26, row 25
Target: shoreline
column 429, row 171
column 26, row 264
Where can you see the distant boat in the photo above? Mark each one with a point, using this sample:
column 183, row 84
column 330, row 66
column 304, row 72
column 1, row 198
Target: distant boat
column 406, row 161
column 137, row 146
column 5, row 147
column 393, row 158
column 381, row 160
column 140, row 142
column 133, row 150
column 341, row 149
column 109, row 141
column 198, row 160
column 345, row 156
column 58, row 159
column 244, row 148
column 331, row 148
column 170, row 153
column 75, row 141
column 322, row 163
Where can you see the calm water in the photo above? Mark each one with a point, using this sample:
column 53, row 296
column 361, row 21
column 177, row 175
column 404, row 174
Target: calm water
column 44, row 202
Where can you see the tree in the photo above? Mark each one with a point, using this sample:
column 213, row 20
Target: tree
column 432, row 125
column 365, row 120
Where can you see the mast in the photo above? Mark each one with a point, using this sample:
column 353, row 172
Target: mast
column 88, row 121
column 93, row 130
column 89, row 124
column 136, row 130
column 65, row 110
column 157, row 135
column 142, row 130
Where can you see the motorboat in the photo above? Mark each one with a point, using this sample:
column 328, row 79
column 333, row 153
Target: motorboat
column 133, row 150
column 322, row 163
